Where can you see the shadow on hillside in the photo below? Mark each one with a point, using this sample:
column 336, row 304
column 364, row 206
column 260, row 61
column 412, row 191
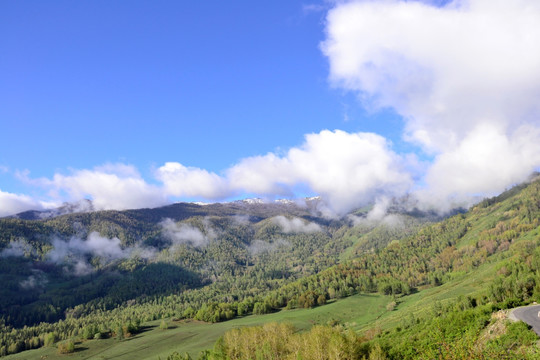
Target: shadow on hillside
column 80, row 348
column 146, row 328
column 108, row 287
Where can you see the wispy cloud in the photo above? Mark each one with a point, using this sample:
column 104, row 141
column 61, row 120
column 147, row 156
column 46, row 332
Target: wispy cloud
column 314, row 8
column 17, row 248
column 74, row 252
column 37, row 280
column 296, row 225
column 95, row 244
column 259, row 246
column 187, row 234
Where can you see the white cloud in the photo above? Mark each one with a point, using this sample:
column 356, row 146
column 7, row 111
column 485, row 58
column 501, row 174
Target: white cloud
column 82, row 267
column 296, row 225
column 260, row 246
column 38, row 279
column 143, row 252
column 28, row 283
column 350, row 169
column 345, row 169
column 184, row 233
column 95, row 245
column 268, row 174
column 464, row 76
column 11, row 204
column 17, row 248
column 113, row 186
column 378, row 215
column 241, row 220
column 179, row 180
column 74, row 252
column 485, row 162
column 379, row 211
column 102, row 246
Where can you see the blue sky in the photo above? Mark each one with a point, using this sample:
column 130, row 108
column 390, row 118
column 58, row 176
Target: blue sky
column 204, row 84
column 211, row 85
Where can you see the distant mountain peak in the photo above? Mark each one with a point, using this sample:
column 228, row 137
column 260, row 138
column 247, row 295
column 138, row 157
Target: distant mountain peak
column 201, row 203
column 253, row 201
column 81, row 206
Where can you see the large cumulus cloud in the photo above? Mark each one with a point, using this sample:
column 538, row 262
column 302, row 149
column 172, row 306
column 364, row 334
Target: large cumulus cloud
column 464, row 76
column 346, row 169
column 111, row 186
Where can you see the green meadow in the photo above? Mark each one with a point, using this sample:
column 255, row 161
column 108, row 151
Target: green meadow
column 193, row 337
column 358, row 312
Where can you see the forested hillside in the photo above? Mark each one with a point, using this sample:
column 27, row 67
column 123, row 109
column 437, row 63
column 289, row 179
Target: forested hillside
column 90, row 273
column 104, row 274
column 501, row 236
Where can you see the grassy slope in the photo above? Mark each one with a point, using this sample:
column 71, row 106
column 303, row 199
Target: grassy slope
column 359, row 312
column 194, row 337
column 423, row 301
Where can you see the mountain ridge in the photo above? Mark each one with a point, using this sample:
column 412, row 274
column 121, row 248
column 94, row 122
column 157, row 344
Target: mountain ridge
column 243, row 258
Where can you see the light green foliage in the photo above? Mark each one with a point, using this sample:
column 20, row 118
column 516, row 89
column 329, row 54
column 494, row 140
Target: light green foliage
column 66, row 347
column 391, row 306
column 177, row 356
column 275, row 340
column 377, row 353
column 194, row 337
column 517, row 335
column 50, row 339
column 230, row 276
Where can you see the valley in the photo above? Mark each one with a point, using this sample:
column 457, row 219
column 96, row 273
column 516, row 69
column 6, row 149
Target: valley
column 213, row 268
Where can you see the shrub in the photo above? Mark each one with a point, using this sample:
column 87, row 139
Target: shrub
column 50, row 339
column 66, row 347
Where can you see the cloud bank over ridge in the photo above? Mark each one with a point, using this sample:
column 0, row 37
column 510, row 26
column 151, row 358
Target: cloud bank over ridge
column 14, row 203
column 346, row 169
